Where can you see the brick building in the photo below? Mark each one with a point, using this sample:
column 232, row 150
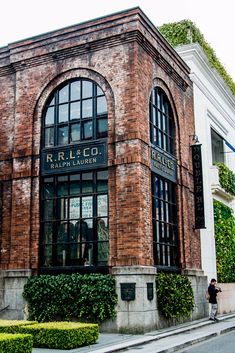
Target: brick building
column 95, row 160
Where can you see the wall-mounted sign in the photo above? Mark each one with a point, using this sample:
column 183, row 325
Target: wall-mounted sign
column 198, row 187
column 163, row 164
column 74, row 158
column 127, row 291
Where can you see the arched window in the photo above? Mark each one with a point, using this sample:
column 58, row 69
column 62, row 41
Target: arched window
column 74, row 182
column 163, row 165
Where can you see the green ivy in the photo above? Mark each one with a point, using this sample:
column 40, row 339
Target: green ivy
column 175, row 298
column 226, row 178
column 89, row 297
column 225, row 242
column 186, row 32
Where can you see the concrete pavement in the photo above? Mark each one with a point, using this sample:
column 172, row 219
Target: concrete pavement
column 162, row 341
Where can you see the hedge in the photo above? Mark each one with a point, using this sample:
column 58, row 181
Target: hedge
column 12, row 326
column 16, row 343
column 62, row 335
column 89, row 298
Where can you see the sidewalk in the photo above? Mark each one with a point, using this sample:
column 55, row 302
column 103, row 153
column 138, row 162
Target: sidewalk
column 171, row 339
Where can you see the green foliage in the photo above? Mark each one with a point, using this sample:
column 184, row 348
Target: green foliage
column 225, row 242
column 15, row 343
column 226, row 178
column 89, row 297
column 62, row 335
column 174, row 295
column 186, row 32
column 12, row 326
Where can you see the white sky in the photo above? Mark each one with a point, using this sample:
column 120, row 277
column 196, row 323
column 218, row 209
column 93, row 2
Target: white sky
column 20, row 19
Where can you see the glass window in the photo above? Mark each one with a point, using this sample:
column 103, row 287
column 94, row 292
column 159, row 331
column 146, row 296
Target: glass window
column 78, row 101
column 75, row 220
column 217, row 147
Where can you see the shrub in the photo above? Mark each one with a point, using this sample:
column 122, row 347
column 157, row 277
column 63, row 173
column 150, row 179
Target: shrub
column 89, row 297
column 12, row 326
column 226, row 178
column 174, row 295
column 62, row 335
column 15, row 343
column 224, row 222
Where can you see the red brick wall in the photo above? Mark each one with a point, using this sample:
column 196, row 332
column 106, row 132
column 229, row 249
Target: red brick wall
column 127, row 57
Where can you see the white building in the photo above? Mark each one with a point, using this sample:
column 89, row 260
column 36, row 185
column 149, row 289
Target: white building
column 214, row 108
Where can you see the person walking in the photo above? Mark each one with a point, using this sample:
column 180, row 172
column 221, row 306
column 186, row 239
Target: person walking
column 212, row 291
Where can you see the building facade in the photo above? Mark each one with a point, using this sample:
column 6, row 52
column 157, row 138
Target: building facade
column 214, row 110
column 96, row 166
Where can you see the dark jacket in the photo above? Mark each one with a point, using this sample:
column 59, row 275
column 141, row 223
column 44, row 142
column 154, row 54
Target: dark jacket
column 212, row 290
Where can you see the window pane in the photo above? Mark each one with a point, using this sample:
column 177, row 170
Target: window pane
column 102, row 181
column 47, row 256
column 48, row 209
column 75, row 110
column 102, row 229
column 48, row 190
column 102, row 205
column 63, row 135
column 75, row 184
column 52, row 102
column 63, row 113
column 102, row 128
column 62, row 186
column 74, row 208
column 86, row 89
column 75, row 133
column 62, row 206
column 62, row 232
column 64, row 94
column 49, row 137
column 101, row 105
column 99, row 91
column 87, row 108
column 75, row 90
column 50, row 116
column 87, row 207
column 87, row 130
column 87, row 183
column 48, row 232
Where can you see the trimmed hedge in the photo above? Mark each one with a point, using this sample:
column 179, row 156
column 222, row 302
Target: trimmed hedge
column 62, row 335
column 90, row 298
column 16, row 343
column 175, row 297
column 12, row 326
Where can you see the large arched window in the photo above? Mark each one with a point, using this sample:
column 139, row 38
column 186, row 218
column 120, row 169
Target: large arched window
column 74, row 182
column 163, row 165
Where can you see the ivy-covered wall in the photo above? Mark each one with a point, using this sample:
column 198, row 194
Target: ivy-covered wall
column 186, row 32
column 226, row 178
column 225, row 242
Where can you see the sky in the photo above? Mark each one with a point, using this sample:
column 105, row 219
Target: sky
column 21, row 19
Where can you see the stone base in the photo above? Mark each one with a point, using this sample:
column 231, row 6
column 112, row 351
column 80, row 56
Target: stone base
column 11, row 287
column 136, row 309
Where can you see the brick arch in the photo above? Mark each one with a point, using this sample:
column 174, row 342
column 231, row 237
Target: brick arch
column 55, row 82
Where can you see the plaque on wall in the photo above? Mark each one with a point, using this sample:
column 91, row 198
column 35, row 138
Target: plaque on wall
column 150, row 291
column 128, row 291
column 163, row 163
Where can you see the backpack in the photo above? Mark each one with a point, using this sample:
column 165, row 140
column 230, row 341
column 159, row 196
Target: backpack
column 207, row 295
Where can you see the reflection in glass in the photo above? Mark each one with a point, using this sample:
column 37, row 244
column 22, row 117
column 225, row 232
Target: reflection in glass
column 49, row 137
column 48, row 209
column 87, row 108
column 50, row 116
column 101, row 105
column 102, row 181
column 87, row 130
column 63, row 113
column 47, row 256
column 63, row 208
column 64, row 94
column 75, row 110
column 47, row 234
column 62, row 186
column 86, row 89
column 87, row 183
column 63, row 135
column 75, row 90
column 74, row 184
column 75, row 133
column 102, row 128
column 48, row 190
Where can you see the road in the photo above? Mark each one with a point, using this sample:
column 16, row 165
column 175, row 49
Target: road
column 221, row 344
